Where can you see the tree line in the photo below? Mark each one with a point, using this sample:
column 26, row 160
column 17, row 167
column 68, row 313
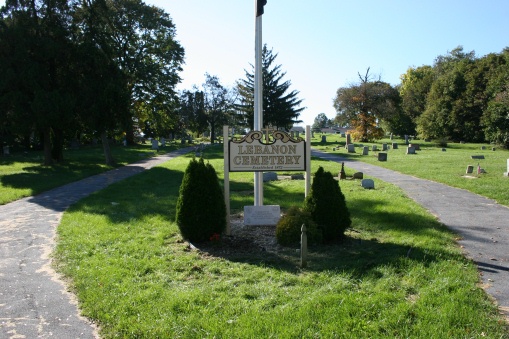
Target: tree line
column 108, row 70
column 460, row 97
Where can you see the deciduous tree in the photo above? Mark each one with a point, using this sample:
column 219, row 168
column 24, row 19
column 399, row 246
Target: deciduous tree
column 365, row 105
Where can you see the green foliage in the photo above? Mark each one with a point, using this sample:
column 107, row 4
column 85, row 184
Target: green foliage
column 280, row 106
column 288, row 229
column 327, row 206
column 366, row 104
column 201, row 211
column 135, row 278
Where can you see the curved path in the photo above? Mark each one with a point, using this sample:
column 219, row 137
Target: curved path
column 482, row 223
column 34, row 302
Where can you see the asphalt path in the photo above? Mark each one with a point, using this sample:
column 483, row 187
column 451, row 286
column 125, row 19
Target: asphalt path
column 483, row 225
column 34, row 301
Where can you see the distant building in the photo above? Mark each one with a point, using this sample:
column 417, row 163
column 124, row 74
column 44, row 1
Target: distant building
column 334, row 130
column 299, row 129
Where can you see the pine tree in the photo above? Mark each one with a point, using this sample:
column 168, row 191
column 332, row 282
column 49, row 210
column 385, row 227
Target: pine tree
column 280, row 107
column 200, row 210
column 327, row 206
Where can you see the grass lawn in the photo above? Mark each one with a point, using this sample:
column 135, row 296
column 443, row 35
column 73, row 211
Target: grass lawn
column 448, row 167
column 22, row 175
column 398, row 273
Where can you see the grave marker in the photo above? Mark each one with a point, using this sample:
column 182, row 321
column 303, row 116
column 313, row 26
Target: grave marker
column 155, row 144
column 410, row 150
column 394, row 145
column 374, row 148
column 269, row 176
column 470, row 169
column 358, row 175
column 477, row 157
column 368, row 184
column 382, row 156
column 351, row 148
column 365, row 150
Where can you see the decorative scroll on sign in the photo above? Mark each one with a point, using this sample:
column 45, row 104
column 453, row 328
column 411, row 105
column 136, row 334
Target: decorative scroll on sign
column 258, row 152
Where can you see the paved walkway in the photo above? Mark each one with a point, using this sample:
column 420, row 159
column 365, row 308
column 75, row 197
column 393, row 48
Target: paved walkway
column 482, row 223
column 34, row 302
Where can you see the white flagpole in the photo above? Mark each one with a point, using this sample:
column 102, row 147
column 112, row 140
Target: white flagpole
column 258, row 101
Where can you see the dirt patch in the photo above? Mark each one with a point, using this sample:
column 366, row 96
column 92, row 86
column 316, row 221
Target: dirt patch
column 242, row 240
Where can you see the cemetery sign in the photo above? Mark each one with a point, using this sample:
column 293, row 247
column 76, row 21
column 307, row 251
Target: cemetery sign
column 278, row 152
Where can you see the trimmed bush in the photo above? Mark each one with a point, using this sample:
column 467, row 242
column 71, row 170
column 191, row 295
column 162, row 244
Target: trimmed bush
column 200, row 210
column 327, row 206
column 288, row 229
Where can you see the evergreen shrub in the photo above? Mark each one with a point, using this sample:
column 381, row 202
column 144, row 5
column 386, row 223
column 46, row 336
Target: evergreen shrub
column 288, row 229
column 327, row 206
column 200, row 210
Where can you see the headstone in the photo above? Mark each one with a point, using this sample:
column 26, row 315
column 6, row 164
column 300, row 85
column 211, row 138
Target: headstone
column 348, row 139
column 297, row 177
column 483, row 148
column 358, row 175
column 351, row 148
column 477, row 157
column 443, row 149
column 269, row 176
column 368, row 183
column 365, row 150
column 382, row 156
column 462, row 142
column 334, row 148
column 155, row 144
column 410, row 150
column 163, row 142
column 374, row 148
column 507, row 173
column 406, row 139
column 493, row 149
column 324, row 138
column 391, row 136
column 416, row 146
column 470, row 169
column 394, row 145
column 6, row 150
column 342, row 174
column 384, row 147
column 262, row 215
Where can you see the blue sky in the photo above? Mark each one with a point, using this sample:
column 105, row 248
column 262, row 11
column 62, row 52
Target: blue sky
column 323, row 44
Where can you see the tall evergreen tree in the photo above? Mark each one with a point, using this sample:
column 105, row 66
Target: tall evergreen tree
column 280, row 106
column 37, row 53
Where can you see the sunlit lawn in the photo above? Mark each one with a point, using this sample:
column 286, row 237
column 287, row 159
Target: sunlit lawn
column 397, row 274
column 448, row 167
column 22, row 173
